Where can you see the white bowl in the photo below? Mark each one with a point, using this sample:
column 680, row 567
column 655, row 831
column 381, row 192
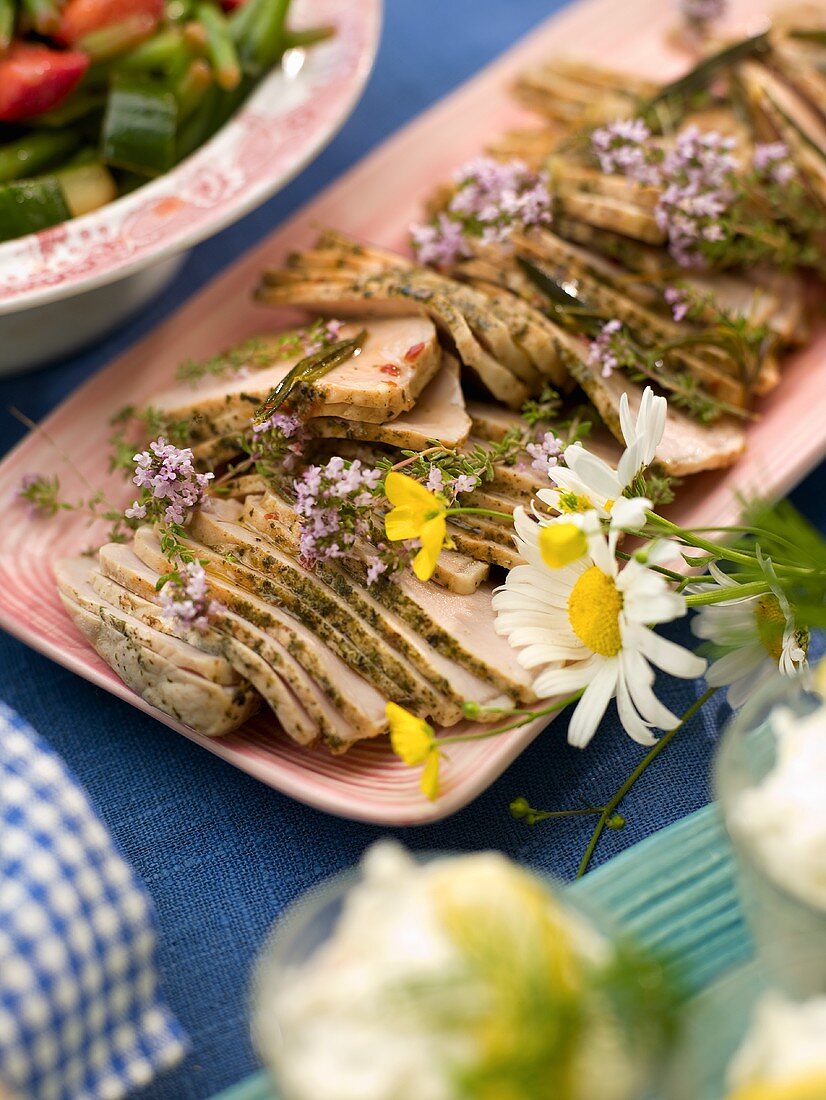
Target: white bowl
column 62, row 287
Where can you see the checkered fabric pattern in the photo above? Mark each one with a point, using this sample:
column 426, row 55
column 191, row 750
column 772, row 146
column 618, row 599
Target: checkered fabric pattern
column 81, row 1013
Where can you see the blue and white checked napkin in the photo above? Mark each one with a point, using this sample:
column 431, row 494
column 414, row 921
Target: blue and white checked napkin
column 81, row 1012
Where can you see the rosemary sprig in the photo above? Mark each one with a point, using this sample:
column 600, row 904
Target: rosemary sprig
column 308, row 370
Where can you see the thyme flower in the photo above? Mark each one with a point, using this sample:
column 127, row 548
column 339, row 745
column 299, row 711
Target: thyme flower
column 185, row 598
column 491, row 199
column 335, row 503
column 772, row 163
column 169, row 483
column 41, row 495
column 611, row 349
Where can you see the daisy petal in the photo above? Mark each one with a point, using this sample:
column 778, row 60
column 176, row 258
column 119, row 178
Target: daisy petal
column 590, row 709
column 669, row 656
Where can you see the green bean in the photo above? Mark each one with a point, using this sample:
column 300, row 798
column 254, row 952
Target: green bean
column 266, row 37
column 220, row 47
column 162, row 53
column 30, row 154
column 201, row 124
column 191, row 86
column 296, row 40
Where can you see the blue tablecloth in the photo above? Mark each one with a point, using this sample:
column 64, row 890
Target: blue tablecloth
column 221, row 853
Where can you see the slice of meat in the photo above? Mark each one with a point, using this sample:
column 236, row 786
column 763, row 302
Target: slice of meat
column 274, row 518
column 208, row 708
column 361, row 706
column 267, row 570
column 73, row 577
column 399, row 358
column 439, row 414
column 397, row 295
column 282, row 683
column 687, row 447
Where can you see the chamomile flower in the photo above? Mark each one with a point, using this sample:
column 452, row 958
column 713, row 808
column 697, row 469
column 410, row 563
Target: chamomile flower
column 757, row 634
column 587, row 625
column 587, row 482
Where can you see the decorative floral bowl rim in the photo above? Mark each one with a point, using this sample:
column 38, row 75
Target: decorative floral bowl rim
column 284, row 124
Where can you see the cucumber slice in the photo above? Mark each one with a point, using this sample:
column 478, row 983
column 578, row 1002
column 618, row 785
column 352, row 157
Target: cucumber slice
column 139, row 128
column 27, row 206
column 87, row 187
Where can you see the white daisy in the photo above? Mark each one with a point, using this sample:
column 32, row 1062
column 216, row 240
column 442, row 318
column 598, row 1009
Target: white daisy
column 758, row 634
column 588, row 482
column 588, row 624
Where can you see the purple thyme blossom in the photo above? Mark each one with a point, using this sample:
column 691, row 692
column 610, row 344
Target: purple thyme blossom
column 441, row 244
column 700, row 13
column 491, row 199
column 279, row 440
column 186, row 603
column 679, row 301
column 611, row 349
column 462, row 483
column 165, row 472
column 335, row 503
column 435, row 480
column 375, row 569
column 624, row 147
column 772, row 162
column 545, row 453
column 698, row 172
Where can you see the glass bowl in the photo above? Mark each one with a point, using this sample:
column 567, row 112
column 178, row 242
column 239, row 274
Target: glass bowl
column 789, row 931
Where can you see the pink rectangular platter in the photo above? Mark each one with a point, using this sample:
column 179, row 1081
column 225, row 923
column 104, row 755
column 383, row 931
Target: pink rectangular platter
column 376, row 200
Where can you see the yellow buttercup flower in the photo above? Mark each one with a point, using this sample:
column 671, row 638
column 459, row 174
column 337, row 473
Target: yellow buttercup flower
column 810, row 1087
column 416, row 514
column 413, row 740
column 561, row 544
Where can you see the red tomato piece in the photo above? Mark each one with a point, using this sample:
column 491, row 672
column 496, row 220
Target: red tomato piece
column 82, row 17
column 35, row 78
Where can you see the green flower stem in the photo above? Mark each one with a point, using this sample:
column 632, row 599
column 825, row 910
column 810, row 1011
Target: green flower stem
column 723, row 595
column 527, row 716
column 479, row 512
column 670, row 573
column 610, row 807
column 690, row 538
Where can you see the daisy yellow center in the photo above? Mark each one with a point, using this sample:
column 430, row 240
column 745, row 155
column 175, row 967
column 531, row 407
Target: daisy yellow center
column 771, row 622
column 573, row 502
column 594, row 607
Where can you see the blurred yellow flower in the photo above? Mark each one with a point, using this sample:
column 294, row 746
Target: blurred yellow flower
column 561, row 544
column 413, row 740
column 416, row 514
column 810, row 1087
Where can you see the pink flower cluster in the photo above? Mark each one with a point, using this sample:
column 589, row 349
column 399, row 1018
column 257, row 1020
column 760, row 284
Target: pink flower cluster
column 621, row 149
column 773, row 164
column 170, row 485
column 491, row 199
column 335, row 504
column 186, row 602
column 611, row 349
column 279, row 440
column 679, row 300
column 545, row 452
column 696, row 177
column 453, row 486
